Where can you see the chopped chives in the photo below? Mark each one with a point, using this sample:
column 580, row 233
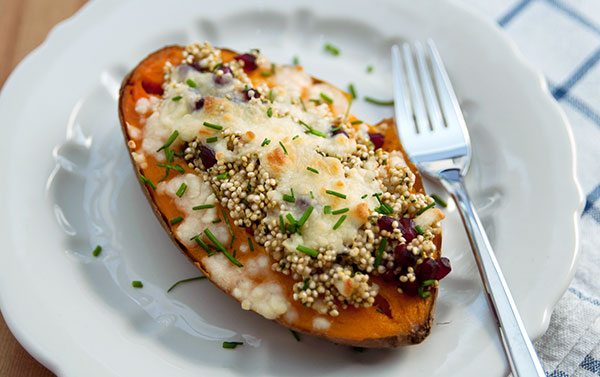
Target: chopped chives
column 217, row 67
column 212, row 139
column 379, row 102
column 250, row 244
column 295, row 334
column 312, row 170
column 231, row 345
column 327, row 99
column 332, row 49
column 305, row 284
column 213, row 126
column 137, row 284
column 271, row 96
column 380, row 249
column 176, row 220
column 246, row 202
column 169, row 155
column 283, row 146
column 312, row 130
column 305, row 216
column 379, row 311
column 352, row 90
column 266, row 73
column 265, row 142
column 214, row 240
column 340, row 211
column 211, row 254
column 291, row 219
column 364, row 196
column 289, row 198
column 281, row 223
column 191, row 83
column 421, row 292
column 335, row 193
column 176, row 98
column 234, row 252
column 295, row 137
column 354, row 123
column 315, row 100
column 170, row 141
column 312, row 195
column 177, row 168
column 307, row 250
column 216, row 221
column 223, row 176
column 336, row 128
column 227, row 221
column 424, row 209
column 270, row 112
column 185, row 281
column 231, row 244
column 369, row 68
column 295, row 61
column 201, row 243
column 97, row 251
column 348, row 109
column 232, row 258
column 439, row 201
column 339, row 222
column 181, row 190
column 419, row 229
column 302, row 103
column 327, row 210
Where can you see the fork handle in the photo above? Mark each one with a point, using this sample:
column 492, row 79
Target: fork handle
column 521, row 355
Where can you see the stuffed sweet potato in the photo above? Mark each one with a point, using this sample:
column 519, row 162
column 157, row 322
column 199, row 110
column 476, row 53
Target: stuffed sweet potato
column 282, row 198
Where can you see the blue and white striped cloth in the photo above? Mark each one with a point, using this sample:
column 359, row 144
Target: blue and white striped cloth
column 562, row 38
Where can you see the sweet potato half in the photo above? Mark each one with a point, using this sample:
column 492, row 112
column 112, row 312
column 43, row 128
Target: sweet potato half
column 395, row 319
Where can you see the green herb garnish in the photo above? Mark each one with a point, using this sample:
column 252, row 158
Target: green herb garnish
column 170, row 141
column 176, row 98
column 281, row 223
column 270, row 112
column 369, row 68
column 185, row 281
column 422, row 293
column 327, row 99
column 227, row 221
column 232, row 345
column 339, row 222
column 232, row 258
column 364, row 196
column 335, row 193
column 295, row 334
column 352, row 90
column 340, row 211
column 181, row 190
column 271, row 96
column 137, row 284
column 327, row 210
column 295, row 137
column 379, row 102
column 354, row 123
column 216, row 221
column 212, row 139
column 250, row 245
column 191, row 83
column 176, row 220
column 379, row 311
column 223, row 176
column 265, row 142
column 203, row 206
column 312, row 170
column 332, row 49
column 283, row 146
column 295, row 61
column 419, row 229
column 312, row 130
column 425, row 209
column 214, row 240
column 213, row 126
column 97, row 251
column 439, row 201
column 380, row 249
column 200, row 243
column 266, row 73
column 307, row 250
column 289, row 198
column 305, row 216
column 302, row 103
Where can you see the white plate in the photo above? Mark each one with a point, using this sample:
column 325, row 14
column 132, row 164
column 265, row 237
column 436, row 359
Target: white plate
column 80, row 316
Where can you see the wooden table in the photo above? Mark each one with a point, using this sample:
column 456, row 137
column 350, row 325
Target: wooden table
column 24, row 24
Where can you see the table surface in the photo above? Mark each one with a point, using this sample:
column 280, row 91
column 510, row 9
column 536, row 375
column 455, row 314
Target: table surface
column 25, row 24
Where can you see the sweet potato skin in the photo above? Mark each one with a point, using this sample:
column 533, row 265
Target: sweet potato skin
column 411, row 317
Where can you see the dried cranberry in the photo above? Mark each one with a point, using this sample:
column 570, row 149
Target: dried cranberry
column 207, row 156
column 444, row 268
column 389, row 276
column 410, row 288
column 338, row 130
column 403, row 257
column 152, row 87
column 249, row 62
column 428, row 269
column 247, row 95
column 407, row 227
column 249, row 231
column 385, row 223
column 377, row 139
column 198, row 105
column 222, row 79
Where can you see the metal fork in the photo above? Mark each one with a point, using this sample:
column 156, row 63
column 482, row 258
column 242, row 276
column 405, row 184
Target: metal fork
column 435, row 137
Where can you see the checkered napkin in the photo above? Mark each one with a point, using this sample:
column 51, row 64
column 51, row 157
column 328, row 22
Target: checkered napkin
column 562, row 38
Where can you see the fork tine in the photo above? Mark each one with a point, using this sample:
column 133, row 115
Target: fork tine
column 432, row 104
column 448, row 100
column 415, row 90
column 402, row 108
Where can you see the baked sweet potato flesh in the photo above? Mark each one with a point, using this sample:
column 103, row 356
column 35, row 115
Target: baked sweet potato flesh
column 395, row 319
